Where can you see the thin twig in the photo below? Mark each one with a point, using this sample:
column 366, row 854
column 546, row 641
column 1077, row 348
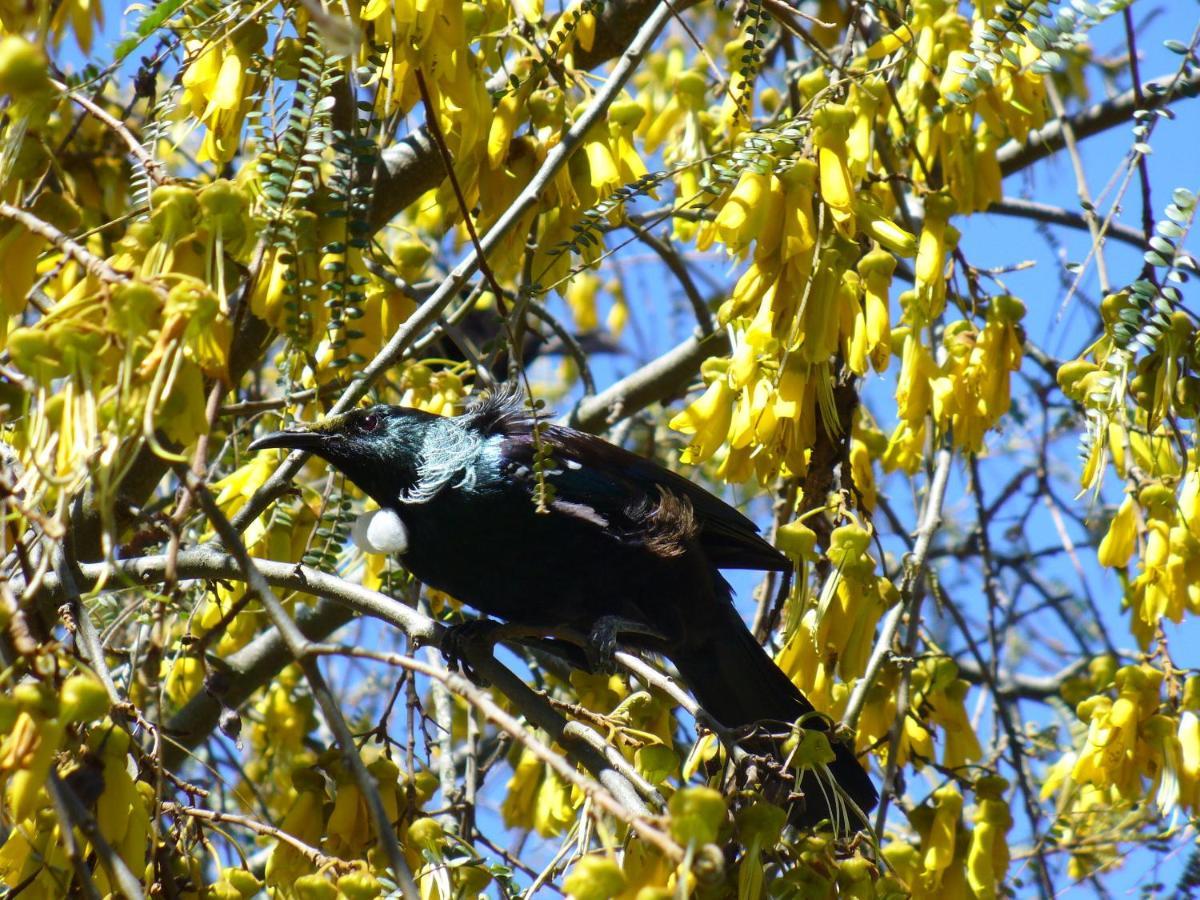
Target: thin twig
column 312, row 854
column 676, row 265
column 153, row 168
column 95, row 266
column 1081, row 185
column 594, row 790
column 931, row 518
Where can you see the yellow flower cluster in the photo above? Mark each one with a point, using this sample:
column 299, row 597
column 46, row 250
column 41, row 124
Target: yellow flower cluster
column 831, row 635
column 1009, row 103
column 808, row 294
column 967, row 392
column 937, row 698
column 218, row 82
column 327, row 810
column 1167, row 530
column 638, row 724
column 78, row 17
column 811, row 297
column 1137, row 746
column 952, row 861
column 66, row 732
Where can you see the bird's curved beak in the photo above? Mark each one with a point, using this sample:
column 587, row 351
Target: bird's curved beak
column 294, row 439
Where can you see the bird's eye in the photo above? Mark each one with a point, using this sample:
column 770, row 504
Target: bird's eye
column 370, row 422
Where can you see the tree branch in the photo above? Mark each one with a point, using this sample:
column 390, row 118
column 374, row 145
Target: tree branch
column 260, row 660
column 1013, row 156
column 95, row 266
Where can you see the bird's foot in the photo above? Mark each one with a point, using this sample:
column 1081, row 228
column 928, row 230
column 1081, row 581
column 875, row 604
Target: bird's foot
column 462, row 640
column 601, row 646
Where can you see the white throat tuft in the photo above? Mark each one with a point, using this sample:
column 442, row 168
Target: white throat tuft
column 380, row 531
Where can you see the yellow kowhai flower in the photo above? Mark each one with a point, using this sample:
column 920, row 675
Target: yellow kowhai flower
column 121, row 810
column 682, row 107
column 796, row 408
column 1116, row 755
column 505, row 119
column 988, row 858
column 831, row 300
column 986, row 170
column 808, row 662
column 581, row 297
column 755, row 282
column 831, row 130
column 1117, row 545
column 745, row 211
column 238, row 631
column 890, row 42
column 34, row 857
column 939, row 846
column 216, row 85
column 284, row 718
column 799, row 234
column 623, row 118
column 348, row 828
column 879, row 710
column 1166, row 585
column 862, row 458
column 521, row 792
column 865, row 98
column 914, row 397
column 305, row 820
column 931, row 256
column 753, row 417
column 185, row 679
column 1189, row 762
column 554, row 809
column 595, row 877
column 973, row 390
column 708, row 418
column 879, row 227
column 604, row 175
column 687, row 187
column 1166, row 754
column 872, row 338
column 947, row 710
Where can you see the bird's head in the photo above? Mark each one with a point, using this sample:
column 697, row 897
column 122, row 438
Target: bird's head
column 379, row 448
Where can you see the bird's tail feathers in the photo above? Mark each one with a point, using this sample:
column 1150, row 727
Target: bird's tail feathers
column 737, row 683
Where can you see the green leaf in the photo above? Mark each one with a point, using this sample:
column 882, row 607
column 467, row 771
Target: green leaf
column 1165, row 247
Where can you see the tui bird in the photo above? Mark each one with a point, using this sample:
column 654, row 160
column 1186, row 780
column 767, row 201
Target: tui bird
column 621, row 550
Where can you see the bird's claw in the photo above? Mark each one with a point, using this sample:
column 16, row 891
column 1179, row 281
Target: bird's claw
column 601, row 647
column 459, row 640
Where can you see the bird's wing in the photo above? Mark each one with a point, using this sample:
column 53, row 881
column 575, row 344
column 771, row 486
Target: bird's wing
column 596, row 480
